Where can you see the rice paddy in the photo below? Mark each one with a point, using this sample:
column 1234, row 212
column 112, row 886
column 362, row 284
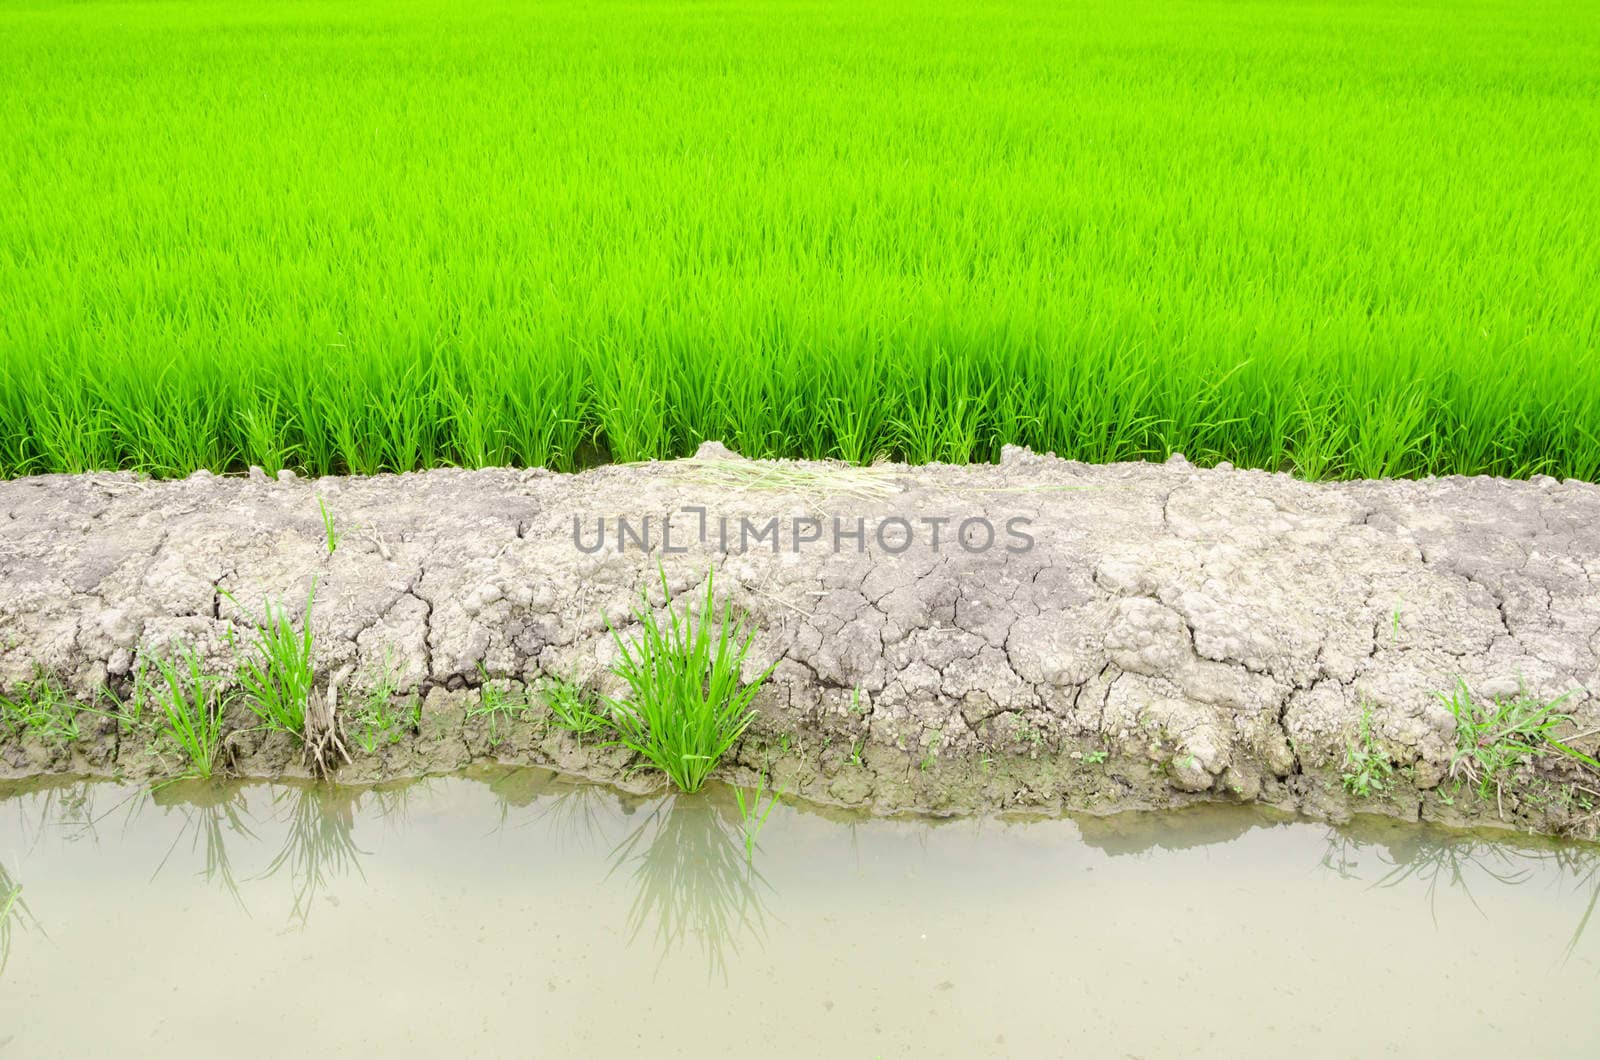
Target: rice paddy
column 1341, row 239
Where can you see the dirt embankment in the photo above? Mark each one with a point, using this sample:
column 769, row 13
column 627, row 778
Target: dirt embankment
column 1040, row 635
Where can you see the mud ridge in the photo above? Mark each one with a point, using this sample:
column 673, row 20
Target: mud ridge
column 1040, row 635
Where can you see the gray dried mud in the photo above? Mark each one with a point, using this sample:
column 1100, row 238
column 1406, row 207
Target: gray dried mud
column 1172, row 635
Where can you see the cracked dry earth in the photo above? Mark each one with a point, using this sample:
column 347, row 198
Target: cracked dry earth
column 1172, row 634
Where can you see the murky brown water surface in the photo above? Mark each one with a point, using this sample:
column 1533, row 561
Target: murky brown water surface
column 518, row 913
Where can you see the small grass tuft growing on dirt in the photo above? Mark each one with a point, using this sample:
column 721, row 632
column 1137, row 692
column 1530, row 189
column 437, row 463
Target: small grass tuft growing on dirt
column 1367, row 769
column 497, row 706
column 571, row 710
column 378, row 721
column 189, row 710
column 686, row 705
column 277, row 673
column 1497, row 737
column 41, row 707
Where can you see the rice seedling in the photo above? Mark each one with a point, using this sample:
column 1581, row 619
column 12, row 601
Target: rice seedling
column 43, row 708
column 1127, row 231
column 1495, row 739
column 330, row 530
column 277, row 672
column 189, row 710
column 686, row 704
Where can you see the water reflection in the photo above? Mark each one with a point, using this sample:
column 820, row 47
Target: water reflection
column 212, row 812
column 689, row 888
column 694, row 886
column 63, row 808
column 693, row 883
column 684, row 856
column 1385, row 853
column 319, row 847
column 14, row 915
column 393, row 801
column 573, row 813
column 1443, row 861
column 1140, row 833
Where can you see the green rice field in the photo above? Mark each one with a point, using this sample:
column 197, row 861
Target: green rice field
column 1337, row 238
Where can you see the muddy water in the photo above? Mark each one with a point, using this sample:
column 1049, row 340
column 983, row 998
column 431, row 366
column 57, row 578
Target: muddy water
column 518, row 913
